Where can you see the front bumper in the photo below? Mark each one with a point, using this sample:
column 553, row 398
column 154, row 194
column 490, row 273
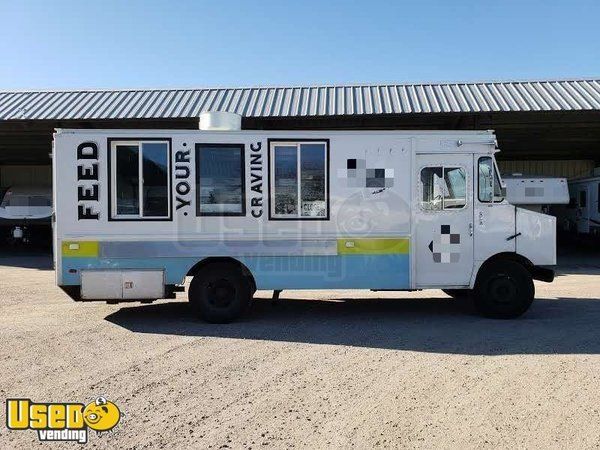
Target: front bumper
column 542, row 273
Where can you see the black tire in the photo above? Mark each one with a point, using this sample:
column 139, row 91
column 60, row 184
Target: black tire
column 458, row 293
column 220, row 293
column 504, row 290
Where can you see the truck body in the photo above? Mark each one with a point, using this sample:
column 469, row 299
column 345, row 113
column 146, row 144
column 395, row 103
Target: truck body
column 136, row 211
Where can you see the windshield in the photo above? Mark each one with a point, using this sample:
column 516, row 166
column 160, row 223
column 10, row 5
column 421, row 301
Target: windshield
column 27, row 200
column 490, row 187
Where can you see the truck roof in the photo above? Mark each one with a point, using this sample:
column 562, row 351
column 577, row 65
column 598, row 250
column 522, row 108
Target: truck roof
column 146, row 131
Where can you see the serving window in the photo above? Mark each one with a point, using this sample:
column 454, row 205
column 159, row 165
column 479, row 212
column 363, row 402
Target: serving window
column 220, row 180
column 299, row 180
column 140, row 187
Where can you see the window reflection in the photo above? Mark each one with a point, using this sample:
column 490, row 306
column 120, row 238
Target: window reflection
column 286, row 180
column 155, row 170
column 128, row 180
column 219, row 184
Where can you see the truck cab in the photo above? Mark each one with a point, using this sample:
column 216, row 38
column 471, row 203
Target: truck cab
column 479, row 244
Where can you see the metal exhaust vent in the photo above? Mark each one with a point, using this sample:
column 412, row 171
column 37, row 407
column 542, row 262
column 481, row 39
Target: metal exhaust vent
column 220, row 121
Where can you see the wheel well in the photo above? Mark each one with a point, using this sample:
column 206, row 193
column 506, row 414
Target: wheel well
column 507, row 256
column 200, row 265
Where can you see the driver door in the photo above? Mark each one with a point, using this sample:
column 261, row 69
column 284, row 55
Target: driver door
column 444, row 220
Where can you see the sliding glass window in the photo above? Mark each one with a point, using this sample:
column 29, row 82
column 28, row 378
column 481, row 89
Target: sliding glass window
column 140, row 187
column 299, row 183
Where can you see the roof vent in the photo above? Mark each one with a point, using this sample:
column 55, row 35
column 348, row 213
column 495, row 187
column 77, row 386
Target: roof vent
column 220, row 121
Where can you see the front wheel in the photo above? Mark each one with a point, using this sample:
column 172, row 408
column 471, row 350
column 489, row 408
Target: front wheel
column 504, row 290
column 220, row 293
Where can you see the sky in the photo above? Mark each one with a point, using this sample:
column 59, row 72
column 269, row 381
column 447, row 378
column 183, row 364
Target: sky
column 64, row 44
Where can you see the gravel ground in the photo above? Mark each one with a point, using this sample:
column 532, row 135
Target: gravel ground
column 337, row 369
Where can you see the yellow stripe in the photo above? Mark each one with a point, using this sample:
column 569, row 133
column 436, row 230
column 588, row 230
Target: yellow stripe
column 81, row 249
column 374, row 246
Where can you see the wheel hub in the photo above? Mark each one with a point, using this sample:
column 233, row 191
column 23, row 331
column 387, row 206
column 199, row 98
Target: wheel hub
column 503, row 290
column 220, row 293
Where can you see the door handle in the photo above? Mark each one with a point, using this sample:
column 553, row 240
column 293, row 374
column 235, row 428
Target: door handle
column 480, row 217
column 471, row 229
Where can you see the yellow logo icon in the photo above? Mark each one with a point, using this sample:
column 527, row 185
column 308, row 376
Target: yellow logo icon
column 101, row 415
column 62, row 421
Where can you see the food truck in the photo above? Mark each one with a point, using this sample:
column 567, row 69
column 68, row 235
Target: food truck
column 138, row 211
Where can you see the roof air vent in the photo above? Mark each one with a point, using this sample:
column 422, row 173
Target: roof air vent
column 220, row 121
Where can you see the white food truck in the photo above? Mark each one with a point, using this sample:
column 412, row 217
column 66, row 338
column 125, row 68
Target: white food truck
column 136, row 211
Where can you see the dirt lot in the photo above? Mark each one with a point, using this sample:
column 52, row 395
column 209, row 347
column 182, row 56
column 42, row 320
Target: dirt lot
column 343, row 369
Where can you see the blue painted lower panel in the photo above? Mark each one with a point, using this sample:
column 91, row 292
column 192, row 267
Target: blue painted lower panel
column 331, row 272
column 389, row 271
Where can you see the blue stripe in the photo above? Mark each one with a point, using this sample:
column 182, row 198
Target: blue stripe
column 274, row 272
column 331, row 272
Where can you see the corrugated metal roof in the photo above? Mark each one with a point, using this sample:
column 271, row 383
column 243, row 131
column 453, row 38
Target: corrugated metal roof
column 561, row 95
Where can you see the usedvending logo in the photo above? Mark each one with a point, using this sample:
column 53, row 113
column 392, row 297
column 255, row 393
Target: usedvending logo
column 62, row 421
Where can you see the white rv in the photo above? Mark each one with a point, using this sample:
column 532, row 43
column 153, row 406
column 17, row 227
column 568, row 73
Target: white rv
column 582, row 214
column 536, row 193
column 139, row 210
column 24, row 210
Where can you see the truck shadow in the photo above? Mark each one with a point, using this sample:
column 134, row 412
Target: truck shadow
column 27, row 260
column 437, row 325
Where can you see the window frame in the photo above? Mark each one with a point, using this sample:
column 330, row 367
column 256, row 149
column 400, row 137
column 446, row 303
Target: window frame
column 197, row 149
column 271, row 143
column 496, row 175
column 443, row 167
column 112, row 144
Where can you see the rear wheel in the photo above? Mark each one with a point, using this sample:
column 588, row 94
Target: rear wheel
column 504, row 290
column 220, row 293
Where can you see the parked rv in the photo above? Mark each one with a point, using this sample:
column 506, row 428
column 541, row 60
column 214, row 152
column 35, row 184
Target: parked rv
column 536, row 193
column 582, row 213
column 24, row 210
column 137, row 211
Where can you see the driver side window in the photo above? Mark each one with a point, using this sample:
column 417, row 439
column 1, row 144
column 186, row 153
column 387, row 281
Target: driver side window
column 443, row 188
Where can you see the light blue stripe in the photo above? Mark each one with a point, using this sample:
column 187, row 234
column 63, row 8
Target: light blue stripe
column 271, row 272
column 331, row 272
